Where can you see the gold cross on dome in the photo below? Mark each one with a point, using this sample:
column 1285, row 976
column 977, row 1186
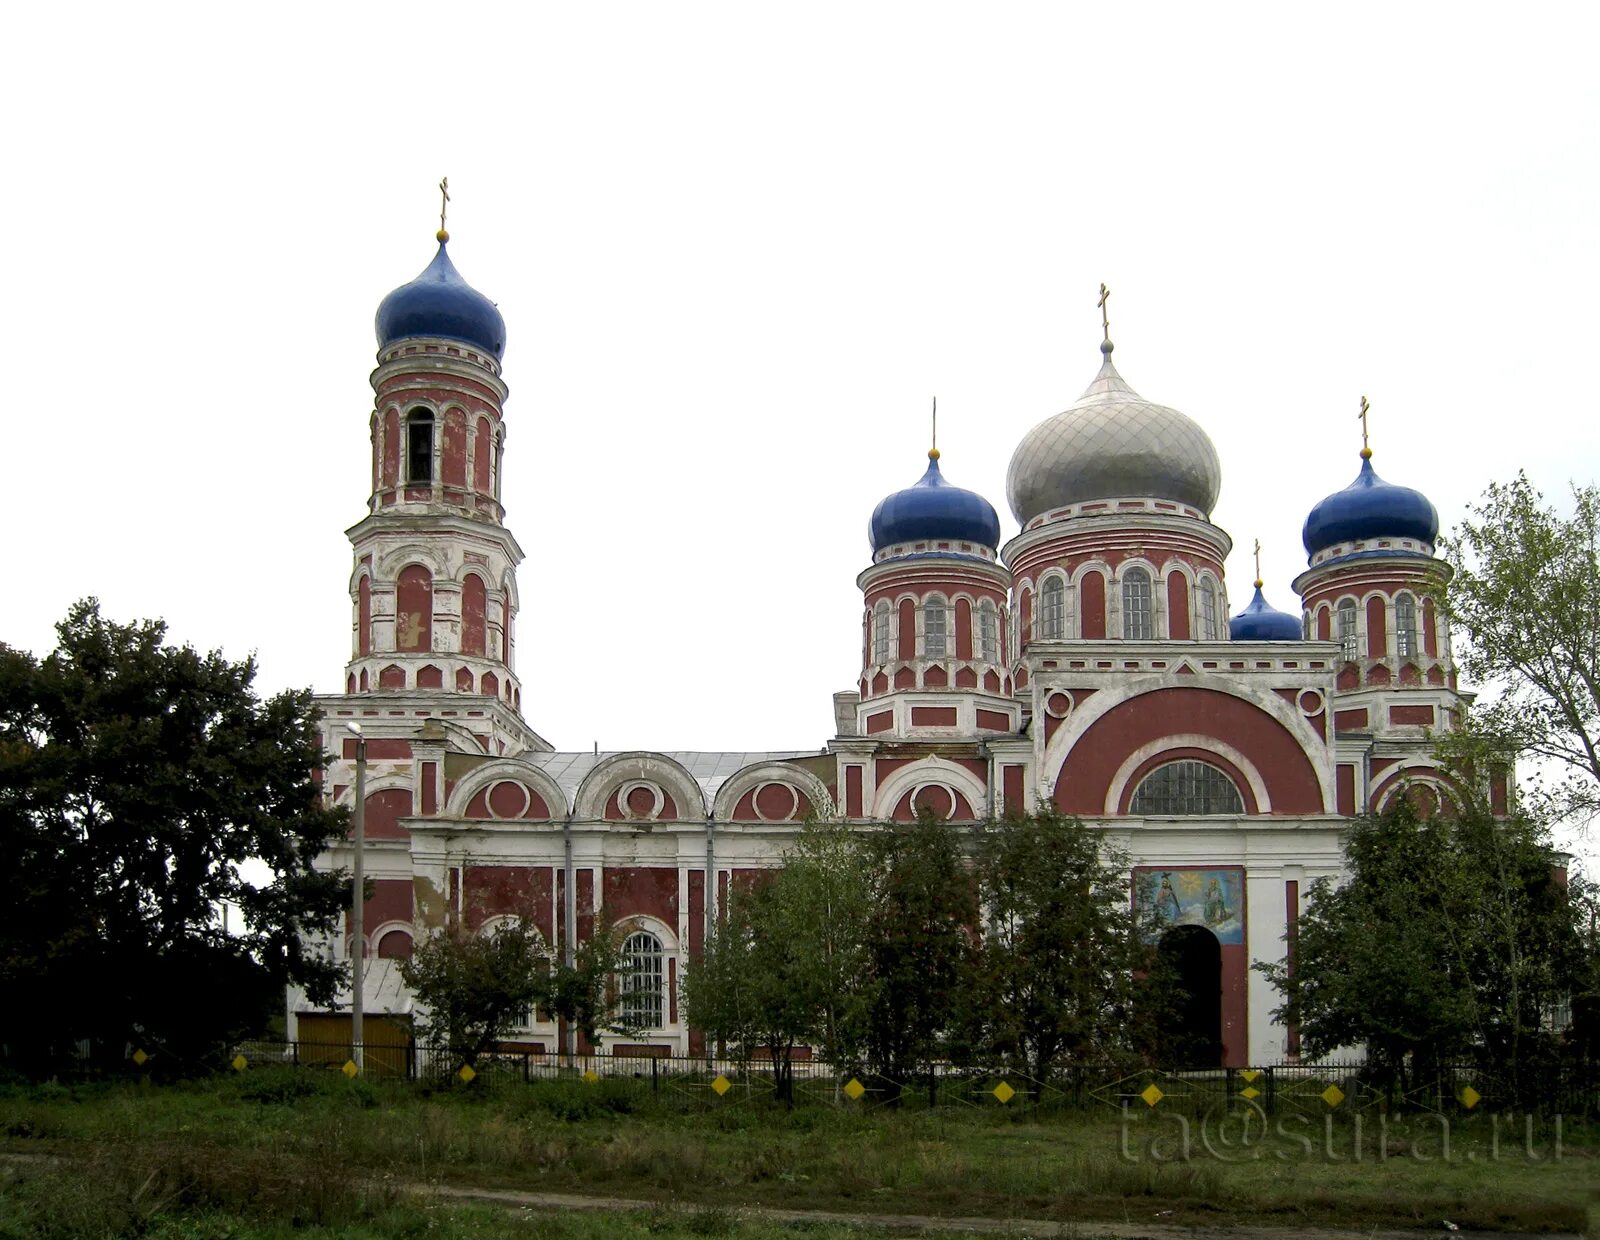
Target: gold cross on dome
column 1258, row 563
column 444, row 200
column 1365, row 450
column 1105, row 318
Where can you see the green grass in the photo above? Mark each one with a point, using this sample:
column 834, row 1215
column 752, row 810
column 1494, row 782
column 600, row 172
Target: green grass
column 275, row 1149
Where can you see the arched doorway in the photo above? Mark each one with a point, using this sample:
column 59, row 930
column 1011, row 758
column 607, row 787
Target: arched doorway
column 1193, row 959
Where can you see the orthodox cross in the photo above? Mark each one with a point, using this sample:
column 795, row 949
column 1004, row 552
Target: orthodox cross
column 444, row 200
column 1258, row 563
column 1365, row 451
column 1105, row 319
column 933, row 450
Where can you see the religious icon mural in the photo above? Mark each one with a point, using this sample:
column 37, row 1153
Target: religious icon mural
column 1170, row 896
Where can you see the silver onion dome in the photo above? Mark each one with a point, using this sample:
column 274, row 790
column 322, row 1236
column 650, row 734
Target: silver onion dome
column 1112, row 444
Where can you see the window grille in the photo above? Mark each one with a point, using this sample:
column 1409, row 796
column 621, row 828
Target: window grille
column 1184, row 788
column 880, row 634
column 935, row 628
column 1052, row 611
column 1347, row 630
column 642, row 980
column 988, row 633
column 1405, row 626
column 1208, row 610
column 1136, row 622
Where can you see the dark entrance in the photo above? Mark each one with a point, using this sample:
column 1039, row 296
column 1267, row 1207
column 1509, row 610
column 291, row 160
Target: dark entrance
column 1194, row 959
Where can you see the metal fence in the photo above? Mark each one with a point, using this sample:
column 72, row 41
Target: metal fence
column 702, row 1083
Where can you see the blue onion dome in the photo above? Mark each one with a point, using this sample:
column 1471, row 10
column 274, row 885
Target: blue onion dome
column 934, row 509
column 1261, row 622
column 1370, row 508
column 1112, row 444
column 440, row 303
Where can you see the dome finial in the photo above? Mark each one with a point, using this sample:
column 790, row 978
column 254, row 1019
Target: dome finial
column 444, row 203
column 933, row 450
column 1105, row 320
column 1258, row 564
column 1366, row 452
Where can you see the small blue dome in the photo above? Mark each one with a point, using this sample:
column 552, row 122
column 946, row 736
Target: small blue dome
column 440, row 303
column 934, row 509
column 1261, row 622
column 1370, row 508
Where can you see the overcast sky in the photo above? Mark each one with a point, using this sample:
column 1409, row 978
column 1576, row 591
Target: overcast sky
column 738, row 248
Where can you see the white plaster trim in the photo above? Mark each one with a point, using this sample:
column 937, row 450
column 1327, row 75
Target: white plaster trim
column 491, row 773
column 1107, row 699
column 931, row 770
column 640, row 765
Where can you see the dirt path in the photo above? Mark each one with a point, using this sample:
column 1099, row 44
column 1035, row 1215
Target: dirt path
column 1078, row 1229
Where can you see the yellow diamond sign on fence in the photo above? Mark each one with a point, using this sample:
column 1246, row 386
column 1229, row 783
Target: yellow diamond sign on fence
column 722, row 1084
column 590, row 1075
column 140, row 1058
column 1333, row 1095
column 1249, row 1091
column 466, row 1074
column 240, row 1063
column 1470, row 1097
column 1004, row 1092
column 350, row 1069
column 1151, row 1094
column 1251, row 1075
column 854, row 1089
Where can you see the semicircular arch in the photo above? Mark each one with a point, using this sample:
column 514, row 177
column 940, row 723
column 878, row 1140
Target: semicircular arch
column 1095, row 743
column 611, row 772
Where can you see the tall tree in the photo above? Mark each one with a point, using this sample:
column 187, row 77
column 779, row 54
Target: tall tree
column 920, row 944
column 787, row 963
column 136, row 780
column 751, row 990
column 1454, row 936
column 1063, row 972
column 1525, row 599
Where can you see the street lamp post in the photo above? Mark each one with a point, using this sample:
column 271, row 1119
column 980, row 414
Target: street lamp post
column 358, row 951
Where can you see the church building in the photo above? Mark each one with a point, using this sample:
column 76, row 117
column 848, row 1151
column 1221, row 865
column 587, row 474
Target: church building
column 1089, row 661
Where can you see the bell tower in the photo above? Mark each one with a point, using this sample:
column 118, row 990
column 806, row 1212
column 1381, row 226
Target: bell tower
column 433, row 591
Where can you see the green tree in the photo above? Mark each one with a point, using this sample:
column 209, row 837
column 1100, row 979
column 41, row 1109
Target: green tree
column 828, row 889
column 136, row 780
column 472, row 988
column 787, row 963
column 751, row 988
column 1063, row 974
column 920, row 945
column 1454, row 936
column 585, row 991
column 1524, row 597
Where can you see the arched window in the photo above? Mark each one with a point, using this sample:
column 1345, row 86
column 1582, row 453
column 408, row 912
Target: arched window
column 641, row 983
column 419, row 446
column 1405, row 626
column 1186, row 787
column 1347, row 630
column 988, row 632
column 413, row 620
column 1136, row 623
column 1052, row 610
column 880, row 632
column 474, row 615
column 935, row 628
column 1208, row 609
